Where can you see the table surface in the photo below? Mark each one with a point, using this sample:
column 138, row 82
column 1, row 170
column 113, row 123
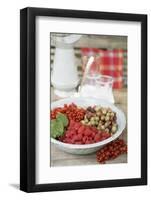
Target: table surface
column 60, row 158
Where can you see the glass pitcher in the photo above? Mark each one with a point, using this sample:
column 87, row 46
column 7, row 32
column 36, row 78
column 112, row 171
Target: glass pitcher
column 104, row 88
column 98, row 86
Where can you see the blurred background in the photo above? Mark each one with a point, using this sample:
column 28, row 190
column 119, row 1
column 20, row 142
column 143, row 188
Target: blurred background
column 111, row 53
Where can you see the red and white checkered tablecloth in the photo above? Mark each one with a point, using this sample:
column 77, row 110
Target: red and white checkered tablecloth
column 108, row 62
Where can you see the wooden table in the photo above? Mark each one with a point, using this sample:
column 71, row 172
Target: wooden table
column 60, row 158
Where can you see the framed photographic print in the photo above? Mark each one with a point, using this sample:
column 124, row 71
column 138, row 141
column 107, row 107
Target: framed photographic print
column 83, row 99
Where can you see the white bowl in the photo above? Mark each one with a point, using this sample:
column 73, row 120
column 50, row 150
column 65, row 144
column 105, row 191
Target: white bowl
column 89, row 148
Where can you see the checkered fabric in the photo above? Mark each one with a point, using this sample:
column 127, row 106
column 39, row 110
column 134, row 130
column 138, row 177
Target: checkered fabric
column 108, row 62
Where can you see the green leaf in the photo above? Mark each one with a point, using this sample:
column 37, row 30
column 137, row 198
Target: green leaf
column 58, row 125
column 62, row 118
column 57, row 128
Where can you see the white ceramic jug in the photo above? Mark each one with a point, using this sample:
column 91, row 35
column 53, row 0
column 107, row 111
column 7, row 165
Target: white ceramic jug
column 64, row 75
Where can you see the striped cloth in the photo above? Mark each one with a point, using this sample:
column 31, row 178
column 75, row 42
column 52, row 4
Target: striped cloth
column 108, row 62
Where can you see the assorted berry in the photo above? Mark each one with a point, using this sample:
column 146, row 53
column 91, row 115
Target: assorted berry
column 111, row 151
column 85, row 125
column 75, row 125
column 72, row 111
column 78, row 133
column 104, row 119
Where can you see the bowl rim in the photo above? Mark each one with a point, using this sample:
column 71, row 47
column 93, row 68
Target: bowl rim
column 97, row 144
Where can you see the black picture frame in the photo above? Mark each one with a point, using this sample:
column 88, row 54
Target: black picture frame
column 28, row 99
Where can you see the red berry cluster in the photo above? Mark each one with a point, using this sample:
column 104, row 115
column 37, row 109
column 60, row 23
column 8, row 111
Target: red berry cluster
column 77, row 133
column 71, row 110
column 111, row 151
